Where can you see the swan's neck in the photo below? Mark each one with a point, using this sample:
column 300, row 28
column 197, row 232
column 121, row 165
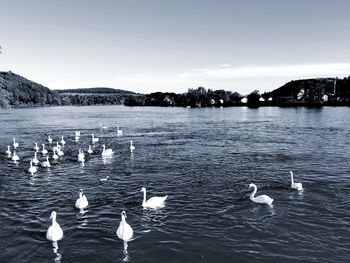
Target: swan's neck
column 291, row 177
column 144, row 197
column 253, row 193
column 123, row 220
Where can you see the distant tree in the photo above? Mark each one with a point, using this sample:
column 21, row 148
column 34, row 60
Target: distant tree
column 253, row 99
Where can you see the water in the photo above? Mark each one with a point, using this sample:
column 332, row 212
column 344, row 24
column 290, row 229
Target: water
column 204, row 159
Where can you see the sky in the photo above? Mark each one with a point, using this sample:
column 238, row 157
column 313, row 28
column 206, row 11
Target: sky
column 170, row 46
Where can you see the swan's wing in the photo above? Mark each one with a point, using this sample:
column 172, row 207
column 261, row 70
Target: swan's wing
column 120, row 230
column 263, row 199
column 156, row 201
column 49, row 233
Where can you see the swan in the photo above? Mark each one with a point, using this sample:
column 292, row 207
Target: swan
column 82, row 201
column 63, row 142
column 59, row 151
column 132, row 147
column 8, row 151
column 44, row 151
column 77, row 138
column 46, row 163
column 15, row 157
column 124, row 231
column 55, row 232
column 261, row 199
column 56, row 147
column 153, row 202
column 54, row 156
column 32, row 169
column 106, row 152
column 49, row 139
column 77, row 133
column 104, row 179
column 90, row 151
column 35, row 159
column 94, row 139
column 103, row 127
column 15, row 144
column 36, row 147
column 296, row 186
column 81, row 156
column 119, row 132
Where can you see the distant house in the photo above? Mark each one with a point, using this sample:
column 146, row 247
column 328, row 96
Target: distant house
column 168, row 101
column 221, row 101
column 325, row 98
column 270, row 99
column 261, row 99
column 244, row 100
column 301, row 94
column 212, row 102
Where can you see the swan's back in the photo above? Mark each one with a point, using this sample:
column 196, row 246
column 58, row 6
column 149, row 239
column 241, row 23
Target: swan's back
column 55, row 232
column 124, row 231
column 156, row 201
column 297, row 186
column 263, row 199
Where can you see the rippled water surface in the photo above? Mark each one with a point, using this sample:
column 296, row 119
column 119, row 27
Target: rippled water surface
column 204, row 159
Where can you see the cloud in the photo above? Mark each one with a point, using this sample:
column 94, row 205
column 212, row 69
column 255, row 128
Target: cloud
column 293, row 71
column 243, row 79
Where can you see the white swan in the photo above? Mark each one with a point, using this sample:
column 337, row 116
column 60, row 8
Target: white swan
column 54, row 156
column 94, row 140
column 63, row 142
column 296, row 186
column 124, row 231
column 77, row 133
column 106, row 152
column 46, row 163
column 32, row 169
column 153, row 202
column 81, row 156
column 261, row 199
column 59, row 151
column 55, row 232
column 15, row 157
column 104, row 179
column 44, row 151
column 15, row 144
column 82, row 201
column 36, row 147
column 8, row 151
column 119, row 132
column 132, row 147
column 49, row 139
column 56, row 147
column 90, row 151
column 103, row 127
column 35, row 159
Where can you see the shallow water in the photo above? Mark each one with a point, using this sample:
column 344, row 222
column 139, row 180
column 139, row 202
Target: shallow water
column 204, row 159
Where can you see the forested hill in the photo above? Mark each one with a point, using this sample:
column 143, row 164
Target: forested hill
column 16, row 91
column 97, row 90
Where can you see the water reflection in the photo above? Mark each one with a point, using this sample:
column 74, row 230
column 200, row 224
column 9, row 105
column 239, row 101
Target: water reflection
column 153, row 218
column 126, row 256
column 107, row 160
column 58, row 257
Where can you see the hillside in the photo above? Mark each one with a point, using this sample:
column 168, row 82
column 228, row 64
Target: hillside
column 96, row 90
column 18, row 91
column 325, row 91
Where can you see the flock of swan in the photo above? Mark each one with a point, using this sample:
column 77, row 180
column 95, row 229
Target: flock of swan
column 124, row 231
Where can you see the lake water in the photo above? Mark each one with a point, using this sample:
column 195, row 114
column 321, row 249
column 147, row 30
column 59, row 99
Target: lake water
column 204, row 159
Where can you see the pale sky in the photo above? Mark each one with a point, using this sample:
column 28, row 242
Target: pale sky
column 162, row 45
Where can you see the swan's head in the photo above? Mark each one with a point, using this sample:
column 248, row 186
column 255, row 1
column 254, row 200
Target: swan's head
column 130, row 141
column 81, row 191
column 251, row 185
column 291, row 173
column 104, row 146
column 124, row 214
column 143, row 189
column 53, row 215
column 92, row 135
